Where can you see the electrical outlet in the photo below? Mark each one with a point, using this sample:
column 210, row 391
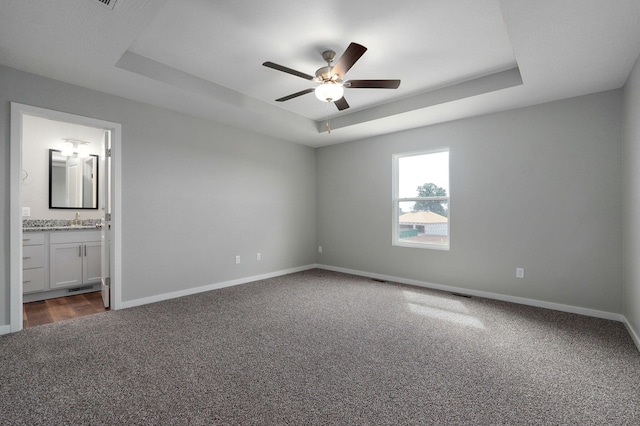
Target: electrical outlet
column 319, row 249
column 519, row 272
column 258, row 256
column 26, row 211
column 237, row 260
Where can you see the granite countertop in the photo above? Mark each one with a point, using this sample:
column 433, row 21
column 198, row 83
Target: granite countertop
column 57, row 228
column 41, row 225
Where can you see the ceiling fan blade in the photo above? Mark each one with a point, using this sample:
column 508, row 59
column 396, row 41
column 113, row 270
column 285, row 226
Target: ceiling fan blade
column 372, row 84
column 287, row 70
column 348, row 58
column 295, row 95
column 341, row 103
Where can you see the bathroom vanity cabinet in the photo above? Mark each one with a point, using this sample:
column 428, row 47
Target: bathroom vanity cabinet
column 33, row 263
column 75, row 259
column 56, row 263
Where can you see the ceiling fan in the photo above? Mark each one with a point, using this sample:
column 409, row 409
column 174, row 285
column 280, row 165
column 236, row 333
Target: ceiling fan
column 331, row 78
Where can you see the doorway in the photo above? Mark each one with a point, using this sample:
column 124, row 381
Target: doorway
column 110, row 246
column 64, row 308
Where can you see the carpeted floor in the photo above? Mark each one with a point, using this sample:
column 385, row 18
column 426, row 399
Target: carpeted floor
column 319, row 347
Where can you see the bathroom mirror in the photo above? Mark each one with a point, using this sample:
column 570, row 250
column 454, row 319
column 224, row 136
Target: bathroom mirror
column 73, row 181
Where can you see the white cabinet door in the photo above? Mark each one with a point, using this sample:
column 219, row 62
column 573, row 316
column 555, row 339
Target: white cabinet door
column 65, row 267
column 91, row 268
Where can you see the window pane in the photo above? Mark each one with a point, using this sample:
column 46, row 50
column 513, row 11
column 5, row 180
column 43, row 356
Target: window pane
column 425, row 227
column 423, row 222
column 417, row 172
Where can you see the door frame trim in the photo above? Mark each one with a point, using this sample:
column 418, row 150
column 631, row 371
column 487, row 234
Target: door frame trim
column 15, row 204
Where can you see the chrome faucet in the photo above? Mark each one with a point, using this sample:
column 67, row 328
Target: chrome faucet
column 76, row 221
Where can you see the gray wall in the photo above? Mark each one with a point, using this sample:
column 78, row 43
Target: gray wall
column 194, row 193
column 538, row 187
column 631, row 289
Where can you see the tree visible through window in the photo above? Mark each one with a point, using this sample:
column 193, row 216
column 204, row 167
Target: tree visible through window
column 421, row 199
column 431, row 190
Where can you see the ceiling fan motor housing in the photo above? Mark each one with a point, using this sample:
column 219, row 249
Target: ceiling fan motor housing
column 326, row 74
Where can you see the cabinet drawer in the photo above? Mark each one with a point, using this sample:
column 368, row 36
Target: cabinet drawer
column 33, row 280
column 32, row 238
column 32, row 257
column 64, row 237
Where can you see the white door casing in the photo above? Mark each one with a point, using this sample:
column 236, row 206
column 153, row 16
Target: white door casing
column 18, row 111
column 105, row 229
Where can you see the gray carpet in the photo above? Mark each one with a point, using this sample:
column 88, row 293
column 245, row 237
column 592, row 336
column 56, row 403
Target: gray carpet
column 319, row 347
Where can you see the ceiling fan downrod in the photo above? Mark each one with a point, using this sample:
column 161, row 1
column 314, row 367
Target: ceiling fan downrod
column 324, row 74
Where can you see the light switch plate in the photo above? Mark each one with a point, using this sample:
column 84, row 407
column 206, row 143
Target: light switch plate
column 26, row 211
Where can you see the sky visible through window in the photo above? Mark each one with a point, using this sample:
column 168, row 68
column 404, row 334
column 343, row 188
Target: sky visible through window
column 416, row 170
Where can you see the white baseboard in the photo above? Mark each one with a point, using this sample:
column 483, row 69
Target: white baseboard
column 632, row 333
column 6, row 329
column 53, row 294
column 496, row 296
column 209, row 287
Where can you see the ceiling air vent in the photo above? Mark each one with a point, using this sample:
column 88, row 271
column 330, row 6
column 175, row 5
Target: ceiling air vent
column 106, row 3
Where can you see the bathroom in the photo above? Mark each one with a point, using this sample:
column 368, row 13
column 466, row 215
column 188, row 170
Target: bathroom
column 63, row 182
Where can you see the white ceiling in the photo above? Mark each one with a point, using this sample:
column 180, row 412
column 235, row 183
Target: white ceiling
column 56, row 131
column 456, row 58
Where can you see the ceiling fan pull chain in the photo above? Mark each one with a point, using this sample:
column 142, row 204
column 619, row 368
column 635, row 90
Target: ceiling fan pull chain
column 327, row 123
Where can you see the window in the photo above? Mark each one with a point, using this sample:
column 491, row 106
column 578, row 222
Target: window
column 421, row 199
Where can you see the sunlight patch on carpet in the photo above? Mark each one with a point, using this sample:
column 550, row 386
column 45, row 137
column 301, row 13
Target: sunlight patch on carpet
column 441, row 308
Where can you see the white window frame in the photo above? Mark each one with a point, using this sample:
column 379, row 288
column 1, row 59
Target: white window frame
column 397, row 200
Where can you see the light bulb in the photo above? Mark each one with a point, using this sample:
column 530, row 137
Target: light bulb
column 83, row 151
column 329, row 91
column 67, row 149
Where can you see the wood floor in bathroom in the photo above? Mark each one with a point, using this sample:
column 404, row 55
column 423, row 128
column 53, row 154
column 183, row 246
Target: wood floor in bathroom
column 60, row 309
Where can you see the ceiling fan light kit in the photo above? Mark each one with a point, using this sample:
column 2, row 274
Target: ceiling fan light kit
column 329, row 91
column 331, row 78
